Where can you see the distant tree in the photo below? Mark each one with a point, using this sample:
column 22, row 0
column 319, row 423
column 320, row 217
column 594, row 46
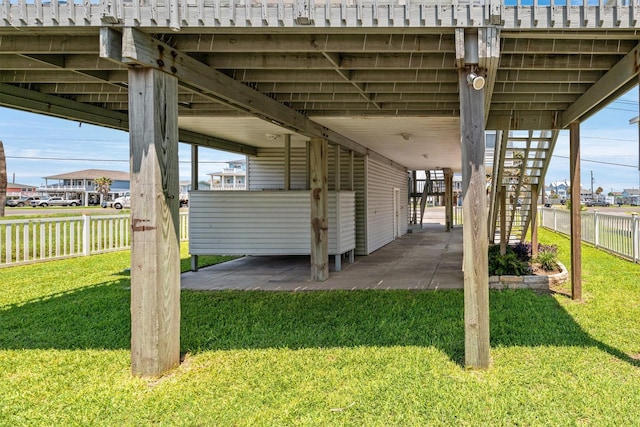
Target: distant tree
column 103, row 185
column 599, row 190
column 3, row 179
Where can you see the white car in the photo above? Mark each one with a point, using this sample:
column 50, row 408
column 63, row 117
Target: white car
column 122, row 202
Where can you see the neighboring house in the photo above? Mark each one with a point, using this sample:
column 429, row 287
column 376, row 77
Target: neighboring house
column 82, row 184
column 616, row 196
column 15, row 189
column 559, row 188
column 233, row 177
column 586, row 194
column 631, row 196
column 185, row 186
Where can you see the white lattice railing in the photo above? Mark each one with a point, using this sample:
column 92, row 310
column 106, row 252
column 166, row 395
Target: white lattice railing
column 178, row 14
column 618, row 234
column 25, row 241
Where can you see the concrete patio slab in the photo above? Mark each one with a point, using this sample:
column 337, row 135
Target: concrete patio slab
column 427, row 258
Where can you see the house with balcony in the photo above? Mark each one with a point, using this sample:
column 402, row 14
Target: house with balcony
column 232, row 177
column 558, row 190
column 82, row 184
column 18, row 190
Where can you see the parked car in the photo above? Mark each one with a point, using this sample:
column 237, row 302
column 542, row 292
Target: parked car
column 591, row 203
column 55, row 201
column 22, row 201
column 122, row 202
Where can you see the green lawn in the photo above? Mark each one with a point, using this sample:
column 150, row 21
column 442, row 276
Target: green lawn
column 319, row 358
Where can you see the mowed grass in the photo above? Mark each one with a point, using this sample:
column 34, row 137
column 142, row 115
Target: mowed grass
column 362, row 358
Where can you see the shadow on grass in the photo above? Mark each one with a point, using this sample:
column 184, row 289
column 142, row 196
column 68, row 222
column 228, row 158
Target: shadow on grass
column 98, row 317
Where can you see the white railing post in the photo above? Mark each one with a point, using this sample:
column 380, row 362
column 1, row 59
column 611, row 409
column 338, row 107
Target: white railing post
column 555, row 220
column 86, row 235
column 635, row 239
column 596, row 227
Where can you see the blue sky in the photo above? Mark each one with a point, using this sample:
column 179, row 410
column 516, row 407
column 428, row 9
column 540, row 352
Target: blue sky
column 35, row 144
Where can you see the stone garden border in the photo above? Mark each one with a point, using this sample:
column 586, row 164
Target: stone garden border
column 529, row 282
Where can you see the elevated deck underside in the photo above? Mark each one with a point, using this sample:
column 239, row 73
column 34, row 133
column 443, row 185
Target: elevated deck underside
column 382, row 77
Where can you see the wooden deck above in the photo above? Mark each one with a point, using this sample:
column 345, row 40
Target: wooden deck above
column 379, row 78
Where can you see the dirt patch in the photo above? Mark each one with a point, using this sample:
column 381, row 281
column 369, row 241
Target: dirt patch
column 537, row 270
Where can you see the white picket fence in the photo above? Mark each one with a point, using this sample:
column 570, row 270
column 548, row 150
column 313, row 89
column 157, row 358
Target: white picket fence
column 24, row 241
column 618, row 234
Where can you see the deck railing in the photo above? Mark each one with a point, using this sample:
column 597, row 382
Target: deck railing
column 25, row 241
column 618, row 234
column 176, row 14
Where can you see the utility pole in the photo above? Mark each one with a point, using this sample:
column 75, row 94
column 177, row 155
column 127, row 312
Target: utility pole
column 591, row 185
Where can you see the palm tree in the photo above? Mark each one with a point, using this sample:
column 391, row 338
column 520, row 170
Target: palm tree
column 3, row 179
column 103, row 185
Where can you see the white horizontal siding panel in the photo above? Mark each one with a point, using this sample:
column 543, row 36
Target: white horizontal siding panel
column 359, row 170
column 381, row 181
column 266, row 169
column 265, row 222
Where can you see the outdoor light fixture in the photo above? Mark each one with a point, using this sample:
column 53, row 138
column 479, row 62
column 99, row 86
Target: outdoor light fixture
column 405, row 136
column 271, row 136
column 475, row 80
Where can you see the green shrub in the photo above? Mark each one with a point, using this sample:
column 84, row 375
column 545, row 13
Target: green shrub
column 508, row 264
column 548, row 260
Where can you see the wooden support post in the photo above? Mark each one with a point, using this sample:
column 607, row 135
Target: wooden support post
column 534, row 219
column 194, row 186
column 412, row 199
column 308, row 160
column 503, row 219
column 318, row 171
column 351, row 172
column 475, row 240
column 287, row 162
column 576, row 220
column 337, row 169
column 155, row 228
column 448, row 198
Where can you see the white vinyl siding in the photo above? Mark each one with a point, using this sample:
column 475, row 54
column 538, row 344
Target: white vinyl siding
column 265, row 222
column 265, row 171
column 359, row 170
column 373, row 185
column 381, row 181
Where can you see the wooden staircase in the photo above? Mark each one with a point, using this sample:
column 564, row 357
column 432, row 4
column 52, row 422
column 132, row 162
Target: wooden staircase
column 429, row 189
column 521, row 159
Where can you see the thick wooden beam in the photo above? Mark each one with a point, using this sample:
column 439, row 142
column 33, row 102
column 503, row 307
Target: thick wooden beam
column 51, row 105
column 576, row 220
column 142, row 49
column 475, row 240
column 194, row 187
column 503, row 220
column 338, row 170
column 448, row 198
column 319, row 171
column 618, row 79
column 534, row 219
column 155, row 232
column 287, row 161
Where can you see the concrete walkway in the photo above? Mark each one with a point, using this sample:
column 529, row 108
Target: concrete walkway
column 426, row 258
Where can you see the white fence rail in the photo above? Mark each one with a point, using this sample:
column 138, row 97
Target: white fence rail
column 618, row 234
column 457, row 216
column 26, row 241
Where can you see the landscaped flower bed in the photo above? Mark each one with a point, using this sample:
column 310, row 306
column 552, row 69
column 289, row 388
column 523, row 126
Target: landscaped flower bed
column 518, row 270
